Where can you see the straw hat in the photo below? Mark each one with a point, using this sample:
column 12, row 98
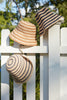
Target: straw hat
column 24, row 33
column 46, row 18
column 20, row 68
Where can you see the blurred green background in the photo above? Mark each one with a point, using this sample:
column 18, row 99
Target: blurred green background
column 10, row 16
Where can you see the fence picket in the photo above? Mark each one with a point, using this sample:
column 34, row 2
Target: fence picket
column 4, row 73
column 31, row 83
column 41, row 77
column 43, row 71
column 45, row 77
column 63, row 77
column 64, row 36
column 63, row 65
column 54, row 62
column 17, row 91
column 17, row 87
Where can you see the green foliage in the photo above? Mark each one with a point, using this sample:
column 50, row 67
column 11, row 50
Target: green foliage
column 63, row 11
column 24, row 91
column 6, row 21
column 11, row 88
column 62, row 7
column 56, row 2
column 25, row 4
column 37, row 77
column 0, row 81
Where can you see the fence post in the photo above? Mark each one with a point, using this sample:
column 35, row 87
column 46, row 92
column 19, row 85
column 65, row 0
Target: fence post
column 54, row 62
column 4, row 73
column 17, row 87
column 44, row 70
column 31, row 84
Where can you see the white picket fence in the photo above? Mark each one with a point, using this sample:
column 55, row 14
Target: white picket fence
column 53, row 66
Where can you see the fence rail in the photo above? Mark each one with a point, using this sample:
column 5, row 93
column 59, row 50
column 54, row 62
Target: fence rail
column 36, row 49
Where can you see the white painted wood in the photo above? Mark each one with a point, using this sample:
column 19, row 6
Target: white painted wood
column 45, row 40
column 63, row 50
column 41, row 41
column 17, row 87
column 63, row 63
column 63, row 78
column 54, row 62
column 43, row 70
column 45, row 77
column 41, row 77
column 42, row 50
column 64, row 36
column 4, row 91
column 31, row 83
column 4, row 73
column 5, row 37
column 34, row 49
column 17, row 91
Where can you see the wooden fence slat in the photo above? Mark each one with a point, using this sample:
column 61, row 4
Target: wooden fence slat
column 41, row 77
column 63, row 50
column 64, row 36
column 4, row 73
column 45, row 77
column 34, row 49
column 63, row 77
column 17, row 91
column 41, row 41
column 31, row 83
column 43, row 71
column 54, row 62
column 41, row 50
column 44, row 50
column 17, row 87
column 63, row 65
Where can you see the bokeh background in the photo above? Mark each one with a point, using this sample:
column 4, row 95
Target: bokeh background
column 12, row 11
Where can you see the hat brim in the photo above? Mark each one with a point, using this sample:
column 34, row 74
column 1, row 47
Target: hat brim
column 24, row 39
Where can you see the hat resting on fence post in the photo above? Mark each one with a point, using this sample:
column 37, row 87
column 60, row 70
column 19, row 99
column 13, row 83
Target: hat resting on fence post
column 24, row 33
column 46, row 18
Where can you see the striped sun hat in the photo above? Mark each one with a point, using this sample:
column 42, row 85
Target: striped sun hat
column 46, row 18
column 24, row 33
column 19, row 67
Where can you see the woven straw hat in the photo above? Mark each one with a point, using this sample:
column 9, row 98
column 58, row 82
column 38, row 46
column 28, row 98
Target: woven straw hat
column 46, row 18
column 24, row 33
column 20, row 68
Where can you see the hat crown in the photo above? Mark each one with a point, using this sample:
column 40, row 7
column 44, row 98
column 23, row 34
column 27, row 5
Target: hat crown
column 20, row 68
column 28, row 23
column 26, row 27
column 24, row 33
